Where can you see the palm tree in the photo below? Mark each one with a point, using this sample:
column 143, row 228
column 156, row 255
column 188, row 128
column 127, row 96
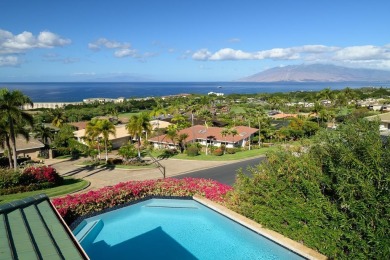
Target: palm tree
column 156, row 112
column 10, row 108
column 316, row 110
column 224, row 133
column 172, row 134
column 59, row 117
column 181, row 139
column 92, row 132
column 137, row 125
column 43, row 133
column 326, row 94
column 233, row 132
column 4, row 139
column 106, row 128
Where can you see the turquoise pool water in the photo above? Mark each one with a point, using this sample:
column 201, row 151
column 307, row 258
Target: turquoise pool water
column 173, row 229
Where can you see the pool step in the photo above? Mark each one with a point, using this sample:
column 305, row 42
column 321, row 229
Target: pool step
column 85, row 232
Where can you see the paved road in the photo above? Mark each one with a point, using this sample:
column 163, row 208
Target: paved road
column 225, row 174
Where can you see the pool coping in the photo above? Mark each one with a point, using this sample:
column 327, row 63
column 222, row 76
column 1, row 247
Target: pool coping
column 276, row 237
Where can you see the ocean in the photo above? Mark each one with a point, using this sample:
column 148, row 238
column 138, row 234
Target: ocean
column 77, row 91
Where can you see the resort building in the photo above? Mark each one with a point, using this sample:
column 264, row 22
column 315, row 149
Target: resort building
column 121, row 138
column 104, row 100
column 24, row 148
column 216, row 93
column 49, row 105
column 384, row 119
column 208, row 135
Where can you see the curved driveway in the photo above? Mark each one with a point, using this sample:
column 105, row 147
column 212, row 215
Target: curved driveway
column 222, row 171
column 225, row 173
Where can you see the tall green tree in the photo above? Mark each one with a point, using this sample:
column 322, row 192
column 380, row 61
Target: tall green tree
column 156, row 112
column 59, row 118
column 224, row 133
column 10, row 108
column 137, row 125
column 333, row 195
column 92, row 132
column 172, row 133
column 106, row 128
column 43, row 133
column 233, row 132
column 4, row 139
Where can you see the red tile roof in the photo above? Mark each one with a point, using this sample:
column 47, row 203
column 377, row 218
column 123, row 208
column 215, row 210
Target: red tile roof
column 202, row 132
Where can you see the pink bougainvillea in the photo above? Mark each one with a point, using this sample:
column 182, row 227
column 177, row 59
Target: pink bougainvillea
column 41, row 174
column 73, row 206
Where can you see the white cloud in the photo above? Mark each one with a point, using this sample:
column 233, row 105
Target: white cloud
column 84, row 74
column 121, row 49
column 366, row 56
column 234, row 40
column 185, row 55
column 55, row 57
column 103, row 42
column 202, row 54
column 9, row 61
column 121, row 53
column 21, row 43
column 366, row 52
column 230, row 54
column 48, row 39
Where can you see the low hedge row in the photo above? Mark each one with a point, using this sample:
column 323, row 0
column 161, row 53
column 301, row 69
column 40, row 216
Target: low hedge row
column 73, row 206
column 30, row 179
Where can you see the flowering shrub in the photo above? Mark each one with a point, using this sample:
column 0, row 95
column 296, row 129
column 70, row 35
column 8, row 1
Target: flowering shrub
column 40, row 174
column 74, row 206
column 218, row 152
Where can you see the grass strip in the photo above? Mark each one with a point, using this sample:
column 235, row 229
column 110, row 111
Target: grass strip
column 70, row 185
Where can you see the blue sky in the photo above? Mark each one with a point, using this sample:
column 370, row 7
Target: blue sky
column 186, row 40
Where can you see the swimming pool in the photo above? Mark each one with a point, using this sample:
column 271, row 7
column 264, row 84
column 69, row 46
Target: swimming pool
column 173, row 229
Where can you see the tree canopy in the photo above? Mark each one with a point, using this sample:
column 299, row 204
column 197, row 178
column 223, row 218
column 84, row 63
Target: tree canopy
column 332, row 195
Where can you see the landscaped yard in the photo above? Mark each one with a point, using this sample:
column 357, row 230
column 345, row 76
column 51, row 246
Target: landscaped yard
column 103, row 164
column 226, row 157
column 70, row 185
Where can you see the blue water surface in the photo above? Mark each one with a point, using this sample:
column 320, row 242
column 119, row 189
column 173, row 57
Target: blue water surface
column 173, row 229
column 77, row 91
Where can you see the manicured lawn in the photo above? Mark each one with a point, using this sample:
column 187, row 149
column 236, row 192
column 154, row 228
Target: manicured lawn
column 134, row 167
column 117, row 166
column 68, row 156
column 128, row 115
column 226, row 157
column 70, row 185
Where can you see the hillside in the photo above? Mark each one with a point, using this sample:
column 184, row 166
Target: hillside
column 318, row 73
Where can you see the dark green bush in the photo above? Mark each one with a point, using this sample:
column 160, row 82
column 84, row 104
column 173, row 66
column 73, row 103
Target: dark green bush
column 8, row 178
column 26, row 188
column 230, row 150
column 192, row 151
column 334, row 197
column 114, row 161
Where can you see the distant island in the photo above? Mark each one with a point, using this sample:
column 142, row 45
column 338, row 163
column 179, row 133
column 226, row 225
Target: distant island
column 318, row 73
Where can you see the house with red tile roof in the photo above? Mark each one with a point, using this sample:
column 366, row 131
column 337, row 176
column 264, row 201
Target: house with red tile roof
column 207, row 135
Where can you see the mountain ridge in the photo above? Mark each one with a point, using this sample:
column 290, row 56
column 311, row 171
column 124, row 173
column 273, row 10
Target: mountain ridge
column 318, row 73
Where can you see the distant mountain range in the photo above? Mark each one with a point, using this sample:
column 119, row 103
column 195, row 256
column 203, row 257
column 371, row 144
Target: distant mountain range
column 318, row 73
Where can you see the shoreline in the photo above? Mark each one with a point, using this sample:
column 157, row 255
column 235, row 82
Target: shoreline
column 77, row 92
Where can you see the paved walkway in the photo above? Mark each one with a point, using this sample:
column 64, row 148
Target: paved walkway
column 100, row 177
